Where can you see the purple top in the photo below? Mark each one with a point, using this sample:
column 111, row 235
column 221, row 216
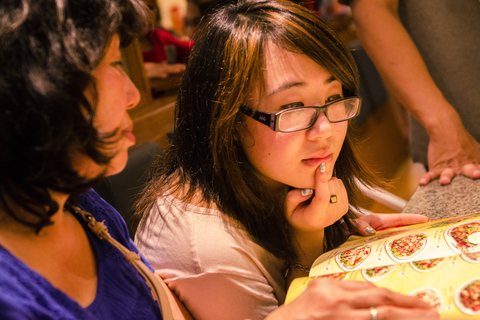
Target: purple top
column 121, row 293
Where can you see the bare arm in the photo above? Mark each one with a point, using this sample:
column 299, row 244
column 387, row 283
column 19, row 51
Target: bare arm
column 452, row 150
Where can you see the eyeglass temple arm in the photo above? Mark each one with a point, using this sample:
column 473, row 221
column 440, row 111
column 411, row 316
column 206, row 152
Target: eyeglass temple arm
column 266, row 118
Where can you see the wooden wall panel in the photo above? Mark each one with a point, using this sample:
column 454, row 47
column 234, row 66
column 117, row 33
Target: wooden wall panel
column 153, row 122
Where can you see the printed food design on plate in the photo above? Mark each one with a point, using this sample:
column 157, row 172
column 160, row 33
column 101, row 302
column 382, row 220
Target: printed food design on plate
column 464, row 238
column 467, row 297
column 388, row 234
column 427, row 264
column 473, row 257
column 430, row 296
column 407, row 247
column 335, row 276
column 377, row 273
column 353, row 258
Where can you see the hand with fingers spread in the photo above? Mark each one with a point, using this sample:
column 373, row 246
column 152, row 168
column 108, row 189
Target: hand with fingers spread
column 367, row 224
column 333, row 299
column 446, row 159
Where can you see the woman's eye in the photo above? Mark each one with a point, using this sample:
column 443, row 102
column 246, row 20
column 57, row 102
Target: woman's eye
column 333, row 98
column 292, row 105
column 117, row 64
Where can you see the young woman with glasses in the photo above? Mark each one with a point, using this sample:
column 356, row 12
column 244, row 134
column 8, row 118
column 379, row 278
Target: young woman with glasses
column 260, row 174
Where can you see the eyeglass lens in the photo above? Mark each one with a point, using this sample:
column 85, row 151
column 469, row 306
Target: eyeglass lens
column 298, row 119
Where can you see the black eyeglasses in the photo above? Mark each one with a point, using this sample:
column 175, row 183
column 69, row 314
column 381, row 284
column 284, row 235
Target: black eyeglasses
column 301, row 118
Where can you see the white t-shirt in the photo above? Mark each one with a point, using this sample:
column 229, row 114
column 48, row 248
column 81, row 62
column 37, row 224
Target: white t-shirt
column 211, row 264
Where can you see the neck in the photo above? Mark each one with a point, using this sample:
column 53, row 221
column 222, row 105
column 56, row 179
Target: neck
column 61, row 253
column 9, row 223
column 61, row 199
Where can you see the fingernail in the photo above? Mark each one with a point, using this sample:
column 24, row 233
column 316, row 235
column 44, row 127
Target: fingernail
column 369, row 230
column 444, row 181
column 306, row 192
column 323, row 167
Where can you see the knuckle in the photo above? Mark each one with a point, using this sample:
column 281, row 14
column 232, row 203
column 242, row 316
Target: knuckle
column 385, row 294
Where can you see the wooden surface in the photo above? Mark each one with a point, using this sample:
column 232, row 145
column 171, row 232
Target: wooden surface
column 153, row 121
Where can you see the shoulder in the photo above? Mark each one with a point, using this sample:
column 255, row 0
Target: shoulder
column 201, row 240
column 208, row 260
column 92, row 203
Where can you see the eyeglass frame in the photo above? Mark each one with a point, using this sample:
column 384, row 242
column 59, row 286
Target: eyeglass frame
column 270, row 119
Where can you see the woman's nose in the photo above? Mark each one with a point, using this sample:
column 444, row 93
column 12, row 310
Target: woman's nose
column 133, row 95
column 322, row 128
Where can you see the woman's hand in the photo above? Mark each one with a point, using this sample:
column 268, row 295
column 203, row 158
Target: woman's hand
column 366, row 225
column 315, row 212
column 310, row 214
column 333, row 299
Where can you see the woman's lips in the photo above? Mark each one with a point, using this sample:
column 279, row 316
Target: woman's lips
column 315, row 162
column 129, row 135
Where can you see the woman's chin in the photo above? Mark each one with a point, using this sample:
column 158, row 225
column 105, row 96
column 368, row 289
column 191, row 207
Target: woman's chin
column 117, row 164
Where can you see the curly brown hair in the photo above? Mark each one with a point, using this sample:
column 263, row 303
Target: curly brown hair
column 47, row 52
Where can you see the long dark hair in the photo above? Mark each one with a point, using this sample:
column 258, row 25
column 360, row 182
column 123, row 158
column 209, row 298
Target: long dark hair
column 47, row 52
column 203, row 5
column 206, row 155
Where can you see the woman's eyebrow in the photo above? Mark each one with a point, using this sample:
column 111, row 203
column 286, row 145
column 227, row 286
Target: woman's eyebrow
column 289, row 85
column 286, row 86
column 330, row 80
